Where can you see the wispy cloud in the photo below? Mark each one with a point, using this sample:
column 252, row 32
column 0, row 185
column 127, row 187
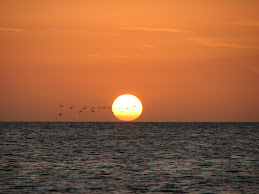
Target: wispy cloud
column 11, row 29
column 92, row 55
column 213, row 43
column 251, row 23
column 111, row 34
column 120, row 56
column 154, row 29
column 147, row 46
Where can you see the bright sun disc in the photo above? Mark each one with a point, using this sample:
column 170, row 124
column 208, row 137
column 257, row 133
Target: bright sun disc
column 127, row 107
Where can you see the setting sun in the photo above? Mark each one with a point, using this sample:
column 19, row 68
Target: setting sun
column 127, row 107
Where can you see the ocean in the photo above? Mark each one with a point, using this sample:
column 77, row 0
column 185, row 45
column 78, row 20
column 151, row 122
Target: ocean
column 134, row 157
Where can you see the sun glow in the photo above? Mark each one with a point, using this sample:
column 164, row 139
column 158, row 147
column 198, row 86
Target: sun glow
column 127, row 107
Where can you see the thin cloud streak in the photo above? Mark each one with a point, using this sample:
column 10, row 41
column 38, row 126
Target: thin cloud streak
column 212, row 43
column 120, row 56
column 11, row 30
column 148, row 46
column 111, row 33
column 92, row 55
column 250, row 23
column 154, row 29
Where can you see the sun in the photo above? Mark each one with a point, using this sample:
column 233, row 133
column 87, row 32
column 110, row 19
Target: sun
column 127, row 107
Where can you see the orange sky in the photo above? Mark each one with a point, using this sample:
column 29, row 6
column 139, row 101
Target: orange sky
column 185, row 60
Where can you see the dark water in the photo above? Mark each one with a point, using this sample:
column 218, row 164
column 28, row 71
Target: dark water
column 129, row 157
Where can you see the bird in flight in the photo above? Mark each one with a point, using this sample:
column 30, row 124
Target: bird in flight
column 80, row 111
column 61, row 106
column 60, row 114
column 101, row 107
column 71, row 107
column 92, row 109
column 84, row 108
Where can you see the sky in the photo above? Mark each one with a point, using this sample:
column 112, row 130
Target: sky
column 186, row 60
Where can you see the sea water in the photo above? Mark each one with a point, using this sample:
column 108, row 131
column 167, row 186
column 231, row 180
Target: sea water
column 129, row 157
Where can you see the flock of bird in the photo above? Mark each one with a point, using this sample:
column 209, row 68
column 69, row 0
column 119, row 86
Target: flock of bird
column 92, row 109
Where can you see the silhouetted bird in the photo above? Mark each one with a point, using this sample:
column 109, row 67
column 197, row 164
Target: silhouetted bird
column 84, row 108
column 92, row 109
column 80, row 111
column 71, row 107
column 61, row 106
column 60, row 114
